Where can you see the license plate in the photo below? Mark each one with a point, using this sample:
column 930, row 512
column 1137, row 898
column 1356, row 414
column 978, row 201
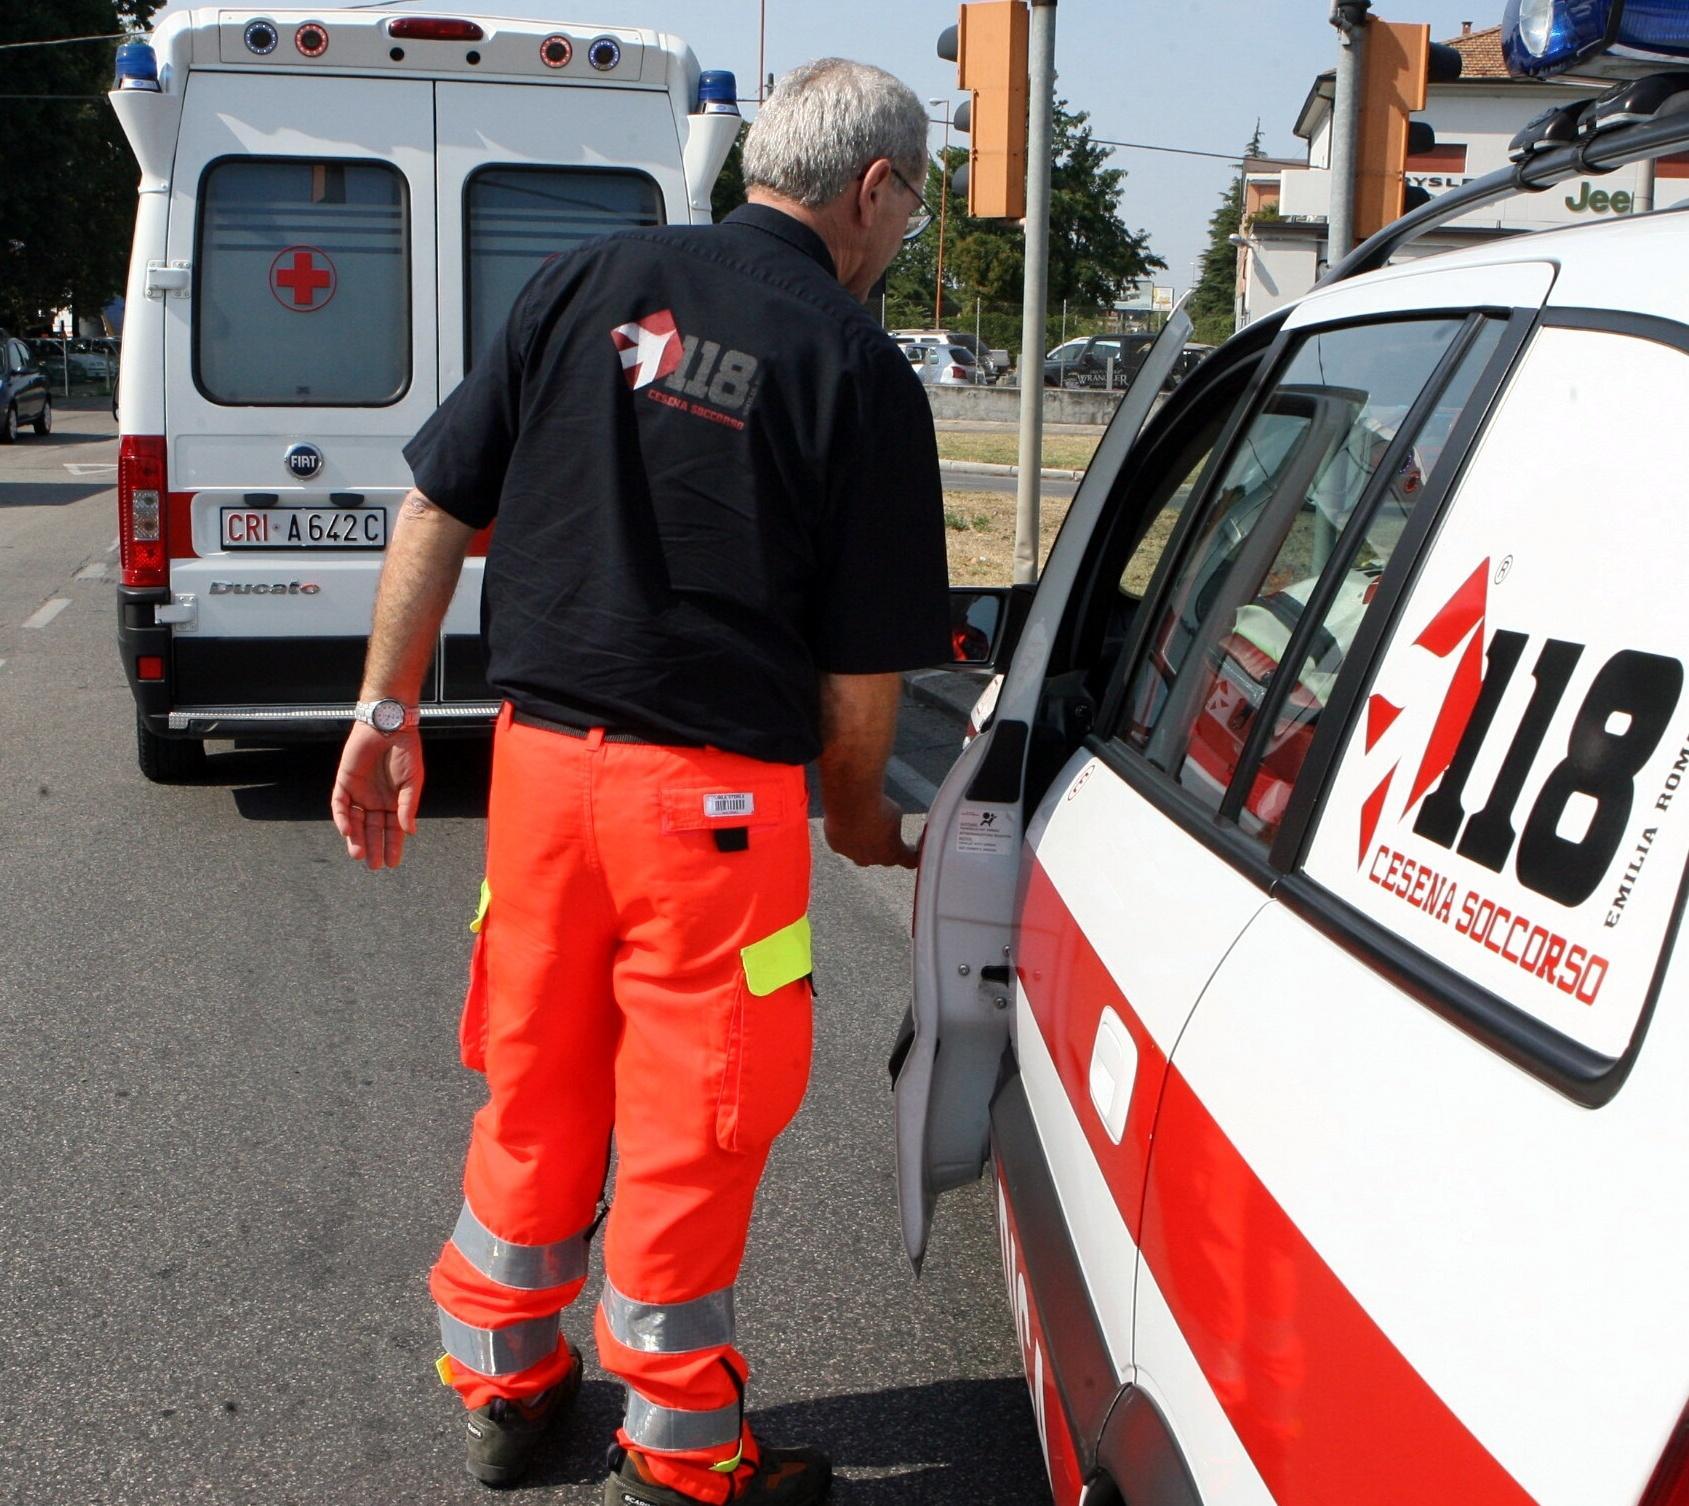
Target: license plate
column 304, row 528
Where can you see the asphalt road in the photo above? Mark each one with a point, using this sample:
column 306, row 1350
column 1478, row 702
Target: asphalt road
column 234, row 1119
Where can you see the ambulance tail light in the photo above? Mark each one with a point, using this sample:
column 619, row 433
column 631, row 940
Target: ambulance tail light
column 434, row 29
column 141, row 500
column 1670, row 1485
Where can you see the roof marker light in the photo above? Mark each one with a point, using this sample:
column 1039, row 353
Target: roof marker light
column 718, row 92
column 261, row 37
column 137, row 67
column 604, row 53
column 556, row 50
column 435, row 29
column 311, row 39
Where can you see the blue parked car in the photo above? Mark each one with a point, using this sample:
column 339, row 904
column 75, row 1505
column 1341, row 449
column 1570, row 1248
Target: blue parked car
column 24, row 395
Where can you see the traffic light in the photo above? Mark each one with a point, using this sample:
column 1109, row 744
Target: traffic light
column 988, row 46
column 1401, row 60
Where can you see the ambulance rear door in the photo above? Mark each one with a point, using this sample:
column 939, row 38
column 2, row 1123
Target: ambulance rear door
column 301, row 359
column 523, row 175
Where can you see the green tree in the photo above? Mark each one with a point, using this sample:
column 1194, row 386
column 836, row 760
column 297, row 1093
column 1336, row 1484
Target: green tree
column 729, row 190
column 68, row 184
column 1213, row 306
column 1093, row 255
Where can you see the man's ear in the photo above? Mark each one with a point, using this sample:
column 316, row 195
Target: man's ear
column 874, row 181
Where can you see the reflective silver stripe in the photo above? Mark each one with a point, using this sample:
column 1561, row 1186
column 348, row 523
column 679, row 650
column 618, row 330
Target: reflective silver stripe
column 670, row 1327
column 500, row 1351
column 528, row 1268
column 672, row 1431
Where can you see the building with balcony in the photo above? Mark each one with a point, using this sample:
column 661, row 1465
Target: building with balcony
column 1282, row 241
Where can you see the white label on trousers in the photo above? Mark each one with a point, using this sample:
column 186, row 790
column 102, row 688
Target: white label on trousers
column 730, row 805
column 988, row 829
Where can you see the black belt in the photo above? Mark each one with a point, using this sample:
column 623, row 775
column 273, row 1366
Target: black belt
column 551, row 724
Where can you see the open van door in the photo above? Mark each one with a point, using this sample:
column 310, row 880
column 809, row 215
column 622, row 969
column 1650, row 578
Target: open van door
column 970, row 866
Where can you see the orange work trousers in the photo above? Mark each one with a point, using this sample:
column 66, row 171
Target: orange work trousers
column 641, row 968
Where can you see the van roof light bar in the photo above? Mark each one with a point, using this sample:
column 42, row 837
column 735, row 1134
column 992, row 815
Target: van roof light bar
column 1592, row 153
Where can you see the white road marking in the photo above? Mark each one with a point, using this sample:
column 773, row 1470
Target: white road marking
column 90, row 468
column 923, row 790
column 95, row 571
column 46, row 612
column 112, row 547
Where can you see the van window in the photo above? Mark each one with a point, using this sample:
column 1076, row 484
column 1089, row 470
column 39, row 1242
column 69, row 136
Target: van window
column 1276, row 524
column 520, row 217
column 303, row 295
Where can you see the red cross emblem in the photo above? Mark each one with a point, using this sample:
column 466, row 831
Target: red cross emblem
column 302, row 279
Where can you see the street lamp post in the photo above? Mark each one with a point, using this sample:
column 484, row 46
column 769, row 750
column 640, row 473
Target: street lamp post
column 943, row 207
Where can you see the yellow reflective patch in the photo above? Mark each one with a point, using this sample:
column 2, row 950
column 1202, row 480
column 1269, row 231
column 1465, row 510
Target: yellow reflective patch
column 443, row 1369
column 727, row 1466
column 779, row 959
column 481, row 909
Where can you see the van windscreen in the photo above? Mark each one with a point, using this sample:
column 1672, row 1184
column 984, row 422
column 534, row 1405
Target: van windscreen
column 518, row 218
column 303, row 297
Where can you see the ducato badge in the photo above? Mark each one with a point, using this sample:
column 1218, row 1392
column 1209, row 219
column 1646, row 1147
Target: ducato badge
column 303, row 461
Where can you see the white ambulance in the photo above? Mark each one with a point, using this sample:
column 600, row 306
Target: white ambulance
column 1297, row 939
column 337, row 208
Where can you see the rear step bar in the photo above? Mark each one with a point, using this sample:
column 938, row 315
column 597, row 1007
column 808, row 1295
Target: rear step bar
column 232, row 721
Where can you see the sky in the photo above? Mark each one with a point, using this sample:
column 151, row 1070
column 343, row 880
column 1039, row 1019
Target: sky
column 1184, row 73
column 1195, row 74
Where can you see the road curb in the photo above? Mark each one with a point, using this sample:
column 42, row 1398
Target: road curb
column 949, row 690
column 995, row 468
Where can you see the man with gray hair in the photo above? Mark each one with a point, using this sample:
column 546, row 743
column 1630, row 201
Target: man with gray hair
column 719, row 544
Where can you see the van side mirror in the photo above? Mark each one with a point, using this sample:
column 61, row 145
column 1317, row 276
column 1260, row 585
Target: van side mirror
column 985, row 624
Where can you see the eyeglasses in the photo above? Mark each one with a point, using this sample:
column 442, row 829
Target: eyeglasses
column 919, row 217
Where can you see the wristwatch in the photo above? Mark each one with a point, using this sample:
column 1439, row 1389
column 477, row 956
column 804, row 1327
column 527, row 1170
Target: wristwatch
column 388, row 716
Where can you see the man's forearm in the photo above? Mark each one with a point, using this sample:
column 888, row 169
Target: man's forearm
column 858, row 728
column 424, row 560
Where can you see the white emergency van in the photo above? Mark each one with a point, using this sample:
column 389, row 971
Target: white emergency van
column 1297, row 938
column 336, row 210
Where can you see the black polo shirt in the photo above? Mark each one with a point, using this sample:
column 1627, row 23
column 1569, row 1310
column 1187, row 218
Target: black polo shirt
column 714, row 476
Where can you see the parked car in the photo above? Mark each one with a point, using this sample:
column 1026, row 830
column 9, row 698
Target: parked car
column 24, row 396
column 948, row 366
column 1296, row 935
column 986, row 359
column 1089, row 360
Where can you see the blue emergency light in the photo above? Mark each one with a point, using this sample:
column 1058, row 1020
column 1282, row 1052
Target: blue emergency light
column 1543, row 37
column 137, row 67
column 718, row 92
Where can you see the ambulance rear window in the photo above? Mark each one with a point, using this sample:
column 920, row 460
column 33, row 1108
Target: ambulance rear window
column 518, row 218
column 303, row 297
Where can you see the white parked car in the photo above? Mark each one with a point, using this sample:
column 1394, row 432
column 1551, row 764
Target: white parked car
column 1297, row 938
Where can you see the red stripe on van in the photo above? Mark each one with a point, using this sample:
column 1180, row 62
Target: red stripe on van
column 179, row 526
column 1327, row 1408
column 478, row 544
column 1068, row 988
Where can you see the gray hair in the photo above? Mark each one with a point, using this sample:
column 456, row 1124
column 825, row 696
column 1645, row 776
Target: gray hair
column 825, row 122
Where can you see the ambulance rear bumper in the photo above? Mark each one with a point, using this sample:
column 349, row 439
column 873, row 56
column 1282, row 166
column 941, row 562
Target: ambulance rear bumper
column 314, row 721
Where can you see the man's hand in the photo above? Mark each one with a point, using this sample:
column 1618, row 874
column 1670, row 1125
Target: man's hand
column 872, row 837
column 858, row 724
column 376, row 793
column 379, row 785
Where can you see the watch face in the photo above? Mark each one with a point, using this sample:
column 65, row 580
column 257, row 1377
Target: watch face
column 387, row 716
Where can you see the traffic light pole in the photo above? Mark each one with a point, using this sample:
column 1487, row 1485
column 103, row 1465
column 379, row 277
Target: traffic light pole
column 1040, row 143
column 1350, row 19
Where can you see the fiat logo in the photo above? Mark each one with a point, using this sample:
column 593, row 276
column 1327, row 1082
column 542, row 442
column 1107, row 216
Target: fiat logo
column 304, row 461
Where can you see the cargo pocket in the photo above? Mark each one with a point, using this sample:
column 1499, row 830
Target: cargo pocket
column 768, row 1041
column 472, row 1027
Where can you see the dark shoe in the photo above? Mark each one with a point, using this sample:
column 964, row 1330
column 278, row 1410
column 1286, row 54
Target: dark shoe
column 785, row 1477
column 506, row 1435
